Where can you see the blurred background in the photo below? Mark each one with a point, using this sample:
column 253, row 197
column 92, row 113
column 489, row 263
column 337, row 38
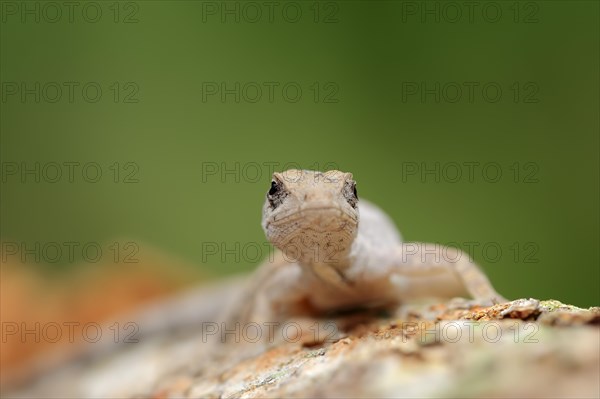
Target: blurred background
column 138, row 140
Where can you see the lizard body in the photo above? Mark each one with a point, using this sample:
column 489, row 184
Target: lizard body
column 338, row 252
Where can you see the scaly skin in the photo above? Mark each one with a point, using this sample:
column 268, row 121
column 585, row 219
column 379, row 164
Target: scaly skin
column 339, row 252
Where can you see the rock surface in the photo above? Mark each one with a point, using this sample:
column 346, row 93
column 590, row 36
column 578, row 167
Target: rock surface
column 524, row 348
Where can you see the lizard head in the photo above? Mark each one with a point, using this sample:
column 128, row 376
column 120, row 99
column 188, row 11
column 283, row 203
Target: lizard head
column 311, row 216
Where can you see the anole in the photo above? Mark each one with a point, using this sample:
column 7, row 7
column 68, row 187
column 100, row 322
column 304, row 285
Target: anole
column 337, row 251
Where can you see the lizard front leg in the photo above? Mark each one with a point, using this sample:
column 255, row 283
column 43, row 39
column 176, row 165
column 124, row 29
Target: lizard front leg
column 274, row 293
column 448, row 266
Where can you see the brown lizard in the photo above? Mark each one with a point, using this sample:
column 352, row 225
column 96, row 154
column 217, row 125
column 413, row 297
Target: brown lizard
column 339, row 252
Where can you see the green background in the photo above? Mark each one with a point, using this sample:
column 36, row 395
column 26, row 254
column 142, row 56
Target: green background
column 364, row 51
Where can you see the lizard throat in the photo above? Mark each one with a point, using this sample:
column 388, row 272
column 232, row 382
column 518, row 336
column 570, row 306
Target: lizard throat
column 313, row 247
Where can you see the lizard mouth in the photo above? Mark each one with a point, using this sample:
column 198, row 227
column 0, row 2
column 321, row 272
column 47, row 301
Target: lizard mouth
column 326, row 230
column 316, row 217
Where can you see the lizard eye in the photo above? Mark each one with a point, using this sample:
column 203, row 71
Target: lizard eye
column 274, row 188
column 350, row 193
column 276, row 194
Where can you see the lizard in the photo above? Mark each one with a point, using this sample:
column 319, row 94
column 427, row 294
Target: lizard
column 336, row 251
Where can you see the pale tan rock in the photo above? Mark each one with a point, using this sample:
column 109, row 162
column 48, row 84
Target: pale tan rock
column 524, row 348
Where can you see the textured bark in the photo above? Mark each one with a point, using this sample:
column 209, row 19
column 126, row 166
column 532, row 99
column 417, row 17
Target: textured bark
column 458, row 349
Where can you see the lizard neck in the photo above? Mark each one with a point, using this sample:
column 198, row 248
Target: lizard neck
column 331, row 275
column 330, row 266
